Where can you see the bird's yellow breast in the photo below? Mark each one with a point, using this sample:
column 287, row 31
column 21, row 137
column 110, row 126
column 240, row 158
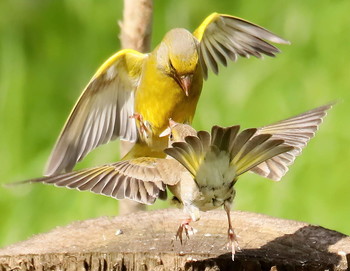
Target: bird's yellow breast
column 159, row 97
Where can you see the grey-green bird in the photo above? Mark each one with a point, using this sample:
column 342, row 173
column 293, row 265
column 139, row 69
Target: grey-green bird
column 201, row 168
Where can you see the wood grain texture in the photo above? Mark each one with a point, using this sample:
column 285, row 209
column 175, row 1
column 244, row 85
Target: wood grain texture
column 147, row 243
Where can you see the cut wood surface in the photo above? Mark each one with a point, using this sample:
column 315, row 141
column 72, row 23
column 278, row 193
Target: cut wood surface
column 144, row 241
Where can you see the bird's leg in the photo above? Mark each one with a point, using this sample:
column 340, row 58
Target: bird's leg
column 232, row 237
column 185, row 226
column 144, row 129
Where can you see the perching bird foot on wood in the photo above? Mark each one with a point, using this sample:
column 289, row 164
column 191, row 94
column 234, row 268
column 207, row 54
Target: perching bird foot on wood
column 232, row 242
column 232, row 237
column 185, row 226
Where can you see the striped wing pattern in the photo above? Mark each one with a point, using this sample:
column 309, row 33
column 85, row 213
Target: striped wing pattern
column 224, row 37
column 245, row 149
column 296, row 132
column 138, row 179
column 101, row 114
column 191, row 152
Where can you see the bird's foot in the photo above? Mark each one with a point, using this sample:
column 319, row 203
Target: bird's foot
column 185, row 226
column 144, row 127
column 232, row 242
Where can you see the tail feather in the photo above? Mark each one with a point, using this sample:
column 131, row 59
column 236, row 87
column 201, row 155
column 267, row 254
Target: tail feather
column 222, row 137
column 244, row 150
column 217, row 133
column 231, row 135
column 195, row 145
column 249, row 146
column 205, row 138
column 239, row 141
column 185, row 154
column 191, row 152
column 260, row 153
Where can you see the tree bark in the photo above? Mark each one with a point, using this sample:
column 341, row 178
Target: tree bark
column 144, row 241
column 136, row 29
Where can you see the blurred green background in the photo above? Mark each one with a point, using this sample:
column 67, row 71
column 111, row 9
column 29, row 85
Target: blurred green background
column 49, row 49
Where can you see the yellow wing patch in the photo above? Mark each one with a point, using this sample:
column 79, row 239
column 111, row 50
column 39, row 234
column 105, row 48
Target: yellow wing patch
column 101, row 113
column 223, row 37
column 130, row 58
column 199, row 32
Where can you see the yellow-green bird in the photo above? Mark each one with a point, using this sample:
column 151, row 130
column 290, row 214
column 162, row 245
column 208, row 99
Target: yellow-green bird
column 201, row 168
column 163, row 84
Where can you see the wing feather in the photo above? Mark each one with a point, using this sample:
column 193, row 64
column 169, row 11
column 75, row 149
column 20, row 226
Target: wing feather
column 103, row 182
column 296, row 132
column 223, row 37
column 142, row 179
column 101, row 113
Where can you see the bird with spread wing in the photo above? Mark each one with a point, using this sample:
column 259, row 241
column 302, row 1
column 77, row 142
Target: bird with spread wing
column 201, row 168
column 154, row 87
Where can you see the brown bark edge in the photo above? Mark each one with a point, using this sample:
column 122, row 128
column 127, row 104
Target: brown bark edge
column 144, row 241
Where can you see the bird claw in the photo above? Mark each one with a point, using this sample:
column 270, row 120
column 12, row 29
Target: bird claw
column 185, row 226
column 144, row 128
column 232, row 242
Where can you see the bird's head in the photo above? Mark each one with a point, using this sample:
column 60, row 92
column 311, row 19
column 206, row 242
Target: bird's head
column 177, row 56
column 178, row 131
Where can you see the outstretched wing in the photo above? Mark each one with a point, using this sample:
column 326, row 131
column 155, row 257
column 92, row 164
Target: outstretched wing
column 102, row 112
column 296, row 132
column 143, row 179
column 224, row 37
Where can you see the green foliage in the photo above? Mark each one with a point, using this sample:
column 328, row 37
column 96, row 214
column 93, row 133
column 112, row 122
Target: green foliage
column 50, row 49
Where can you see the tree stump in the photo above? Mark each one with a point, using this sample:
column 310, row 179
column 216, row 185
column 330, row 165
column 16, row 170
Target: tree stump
column 144, row 241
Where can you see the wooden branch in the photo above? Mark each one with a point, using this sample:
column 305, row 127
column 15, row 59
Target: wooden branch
column 136, row 27
column 143, row 241
column 136, row 30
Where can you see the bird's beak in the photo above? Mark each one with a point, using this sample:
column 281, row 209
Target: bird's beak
column 172, row 123
column 167, row 131
column 185, row 82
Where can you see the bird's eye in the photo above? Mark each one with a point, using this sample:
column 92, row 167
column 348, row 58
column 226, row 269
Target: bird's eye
column 171, row 136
